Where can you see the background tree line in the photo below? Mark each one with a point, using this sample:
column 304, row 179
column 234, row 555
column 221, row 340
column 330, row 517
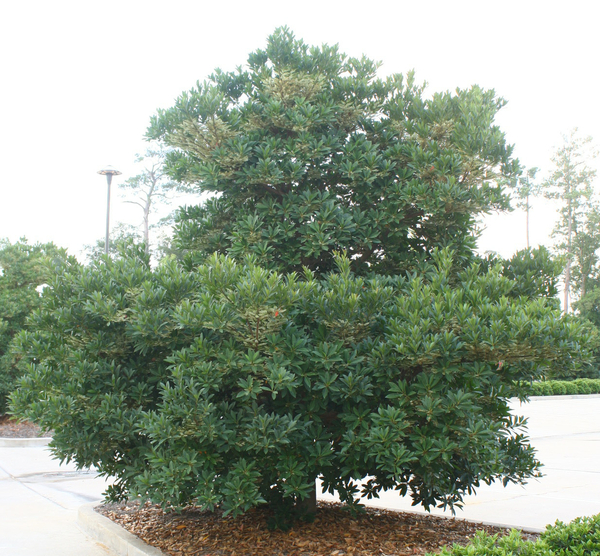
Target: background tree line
column 570, row 181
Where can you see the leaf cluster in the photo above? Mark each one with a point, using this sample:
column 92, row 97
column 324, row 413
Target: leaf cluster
column 533, row 272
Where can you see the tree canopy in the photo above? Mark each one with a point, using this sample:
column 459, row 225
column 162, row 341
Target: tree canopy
column 308, row 152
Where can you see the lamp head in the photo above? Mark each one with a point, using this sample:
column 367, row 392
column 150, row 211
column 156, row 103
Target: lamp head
column 109, row 172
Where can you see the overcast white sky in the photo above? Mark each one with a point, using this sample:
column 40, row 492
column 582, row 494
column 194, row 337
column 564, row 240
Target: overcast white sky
column 80, row 81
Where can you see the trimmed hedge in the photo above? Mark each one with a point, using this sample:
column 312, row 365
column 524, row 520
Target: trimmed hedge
column 580, row 537
column 561, row 387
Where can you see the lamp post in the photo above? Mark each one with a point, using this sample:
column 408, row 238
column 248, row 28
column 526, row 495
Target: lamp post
column 109, row 172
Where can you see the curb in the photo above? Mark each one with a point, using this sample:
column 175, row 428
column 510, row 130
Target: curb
column 111, row 535
column 24, row 442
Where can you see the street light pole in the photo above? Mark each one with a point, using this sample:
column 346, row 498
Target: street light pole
column 109, row 172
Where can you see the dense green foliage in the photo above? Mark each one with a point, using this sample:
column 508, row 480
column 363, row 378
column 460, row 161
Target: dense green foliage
column 588, row 306
column 232, row 385
column 310, row 153
column 581, row 537
column 23, row 268
column 560, row 387
column 533, row 272
column 484, row 544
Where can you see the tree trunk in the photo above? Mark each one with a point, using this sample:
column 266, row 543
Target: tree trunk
column 584, row 271
column 568, row 267
column 309, row 504
column 567, row 286
column 527, row 221
column 147, row 226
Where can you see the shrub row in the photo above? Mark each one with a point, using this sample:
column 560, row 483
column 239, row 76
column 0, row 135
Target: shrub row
column 581, row 536
column 561, row 387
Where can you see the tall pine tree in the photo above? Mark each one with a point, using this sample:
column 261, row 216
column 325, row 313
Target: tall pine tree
column 571, row 183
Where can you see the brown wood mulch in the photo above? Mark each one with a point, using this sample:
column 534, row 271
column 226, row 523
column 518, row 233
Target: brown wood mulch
column 333, row 533
column 13, row 428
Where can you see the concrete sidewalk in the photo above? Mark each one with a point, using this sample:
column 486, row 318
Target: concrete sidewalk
column 40, row 498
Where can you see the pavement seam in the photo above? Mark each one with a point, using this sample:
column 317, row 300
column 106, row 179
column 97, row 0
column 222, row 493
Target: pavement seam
column 567, row 435
column 572, row 470
column 14, row 478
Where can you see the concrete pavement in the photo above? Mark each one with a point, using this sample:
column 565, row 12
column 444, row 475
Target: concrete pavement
column 39, row 499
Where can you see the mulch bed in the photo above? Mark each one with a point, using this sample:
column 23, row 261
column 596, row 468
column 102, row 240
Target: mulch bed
column 13, row 428
column 333, row 533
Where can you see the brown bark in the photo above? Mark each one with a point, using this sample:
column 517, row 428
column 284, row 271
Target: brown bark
column 309, row 504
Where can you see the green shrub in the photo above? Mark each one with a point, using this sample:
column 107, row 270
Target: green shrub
column 224, row 383
column 546, row 388
column 229, row 385
column 594, row 385
column 484, row 544
column 558, row 387
column 581, row 537
column 561, row 387
column 583, row 386
column 572, row 388
column 536, row 389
